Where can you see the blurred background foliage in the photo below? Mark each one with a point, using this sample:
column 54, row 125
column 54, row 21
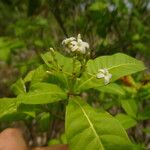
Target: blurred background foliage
column 30, row 27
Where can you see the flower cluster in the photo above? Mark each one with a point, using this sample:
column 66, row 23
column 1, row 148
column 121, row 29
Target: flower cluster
column 76, row 45
column 103, row 73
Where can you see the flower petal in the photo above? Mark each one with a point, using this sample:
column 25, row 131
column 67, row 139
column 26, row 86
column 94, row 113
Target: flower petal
column 74, row 48
column 101, row 70
column 85, row 44
column 73, row 42
column 68, row 40
column 106, row 79
column 100, row 75
column 110, row 75
column 79, row 37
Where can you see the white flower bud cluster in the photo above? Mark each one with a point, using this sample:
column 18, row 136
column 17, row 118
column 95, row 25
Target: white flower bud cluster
column 104, row 73
column 76, row 45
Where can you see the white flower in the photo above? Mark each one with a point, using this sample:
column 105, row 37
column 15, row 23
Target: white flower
column 76, row 45
column 103, row 73
column 68, row 40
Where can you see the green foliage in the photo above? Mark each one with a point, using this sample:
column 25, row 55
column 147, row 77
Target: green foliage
column 7, row 46
column 62, row 79
column 9, row 110
column 112, row 88
column 58, row 62
column 130, row 107
column 96, row 130
column 93, row 86
column 145, row 114
column 118, row 65
column 61, row 140
column 18, row 87
column 44, row 121
column 7, row 105
column 126, row 121
column 42, row 93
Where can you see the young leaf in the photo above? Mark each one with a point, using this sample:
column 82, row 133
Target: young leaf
column 39, row 74
column 118, row 65
column 14, row 116
column 7, row 106
column 44, row 121
column 130, row 107
column 59, row 79
column 36, row 75
column 29, row 76
column 29, row 110
column 144, row 92
column 126, row 121
column 59, row 62
column 18, row 87
column 42, row 93
column 89, row 129
column 11, row 111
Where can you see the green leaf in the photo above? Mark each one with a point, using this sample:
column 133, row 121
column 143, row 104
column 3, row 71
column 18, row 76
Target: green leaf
column 44, row 121
column 63, row 138
column 29, row 110
column 42, row 93
column 139, row 146
column 118, row 65
column 36, row 75
column 130, row 107
column 59, row 79
column 7, row 106
column 14, row 116
column 29, row 76
column 112, row 88
column 18, row 87
column 54, row 142
column 144, row 92
column 126, row 121
column 10, row 110
column 7, row 45
column 98, row 6
column 145, row 114
column 57, row 61
column 4, row 54
column 89, row 129
column 39, row 74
